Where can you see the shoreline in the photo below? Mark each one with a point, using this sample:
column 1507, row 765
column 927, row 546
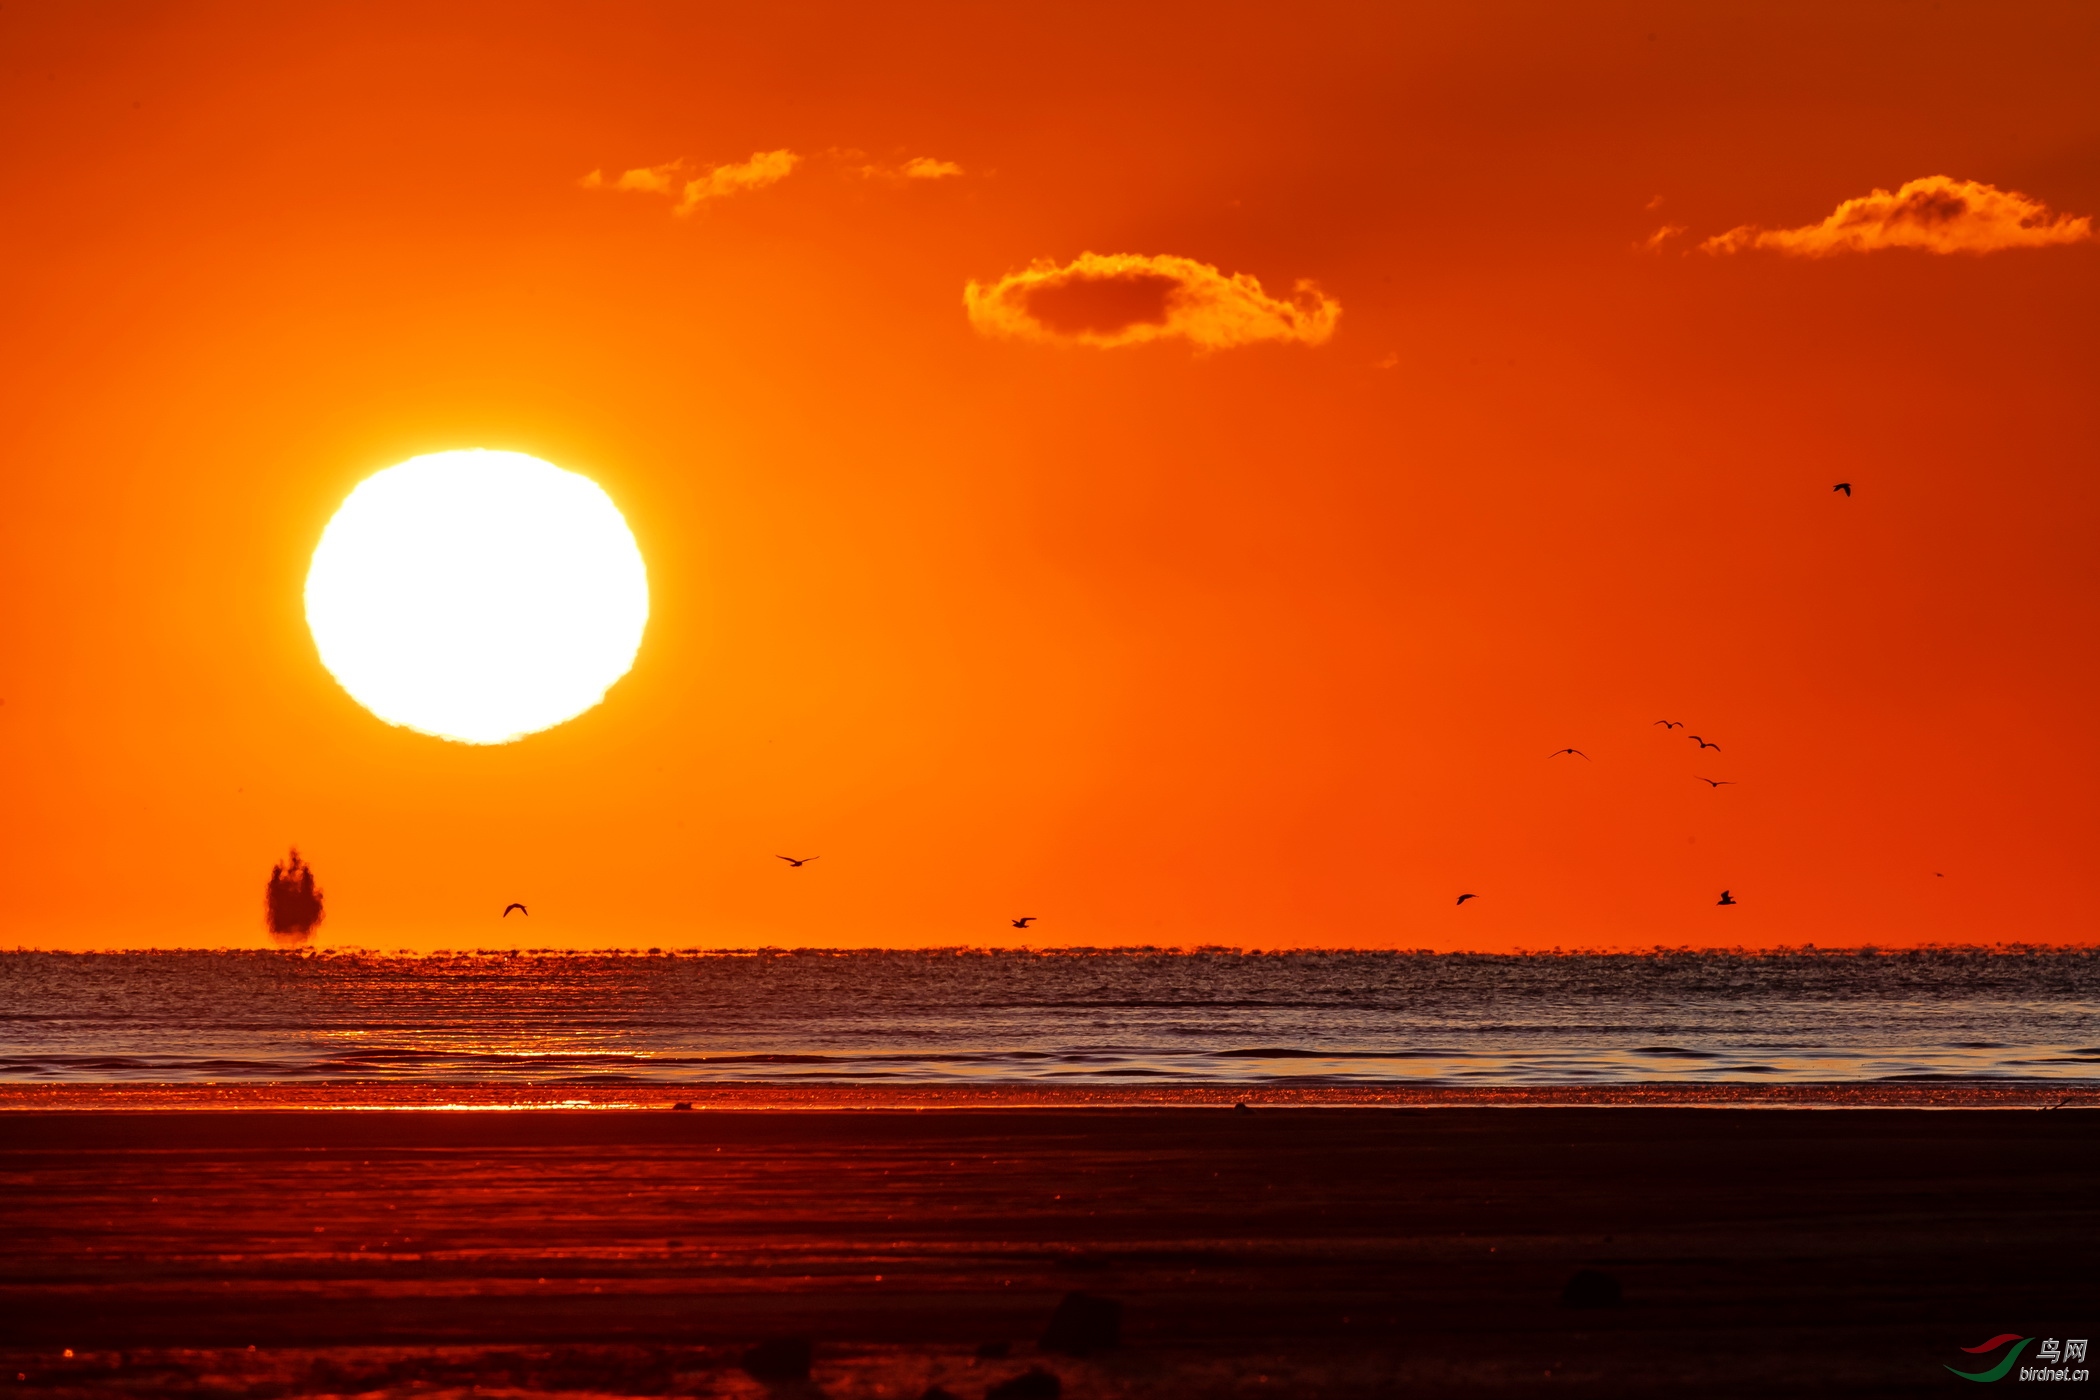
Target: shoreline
column 1348, row 1255
column 380, row 1096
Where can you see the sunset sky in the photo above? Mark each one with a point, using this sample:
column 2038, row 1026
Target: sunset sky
column 1447, row 385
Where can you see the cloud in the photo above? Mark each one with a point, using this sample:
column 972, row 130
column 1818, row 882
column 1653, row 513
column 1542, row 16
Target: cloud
column 716, row 182
column 917, row 168
column 1111, row 299
column 764, row 168
column 1938, row 214
column 927, row 168
column 654, row 180
column 1654, row 242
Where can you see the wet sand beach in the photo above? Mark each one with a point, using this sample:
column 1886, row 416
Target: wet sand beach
column 1335, row 1251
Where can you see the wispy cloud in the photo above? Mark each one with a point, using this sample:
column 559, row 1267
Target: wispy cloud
column 917, row 168
column 691, row 188
column 927, row 168
column 1654, row 242
column 1111, row 299
column 656, row 179
column 1938, row 214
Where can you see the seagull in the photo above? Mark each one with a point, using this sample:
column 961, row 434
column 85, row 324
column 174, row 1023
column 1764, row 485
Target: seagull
column 1464, row 897
column 1844, row 486
column 1024, row 923
column 1716, row 782
column 519, row 907
column 1702, row 743
column 1577, row 752
column 798, row 864
column 1671, row 723
column 1726, row 898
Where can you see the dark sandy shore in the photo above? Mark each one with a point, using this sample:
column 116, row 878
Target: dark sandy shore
column 1281, row 1252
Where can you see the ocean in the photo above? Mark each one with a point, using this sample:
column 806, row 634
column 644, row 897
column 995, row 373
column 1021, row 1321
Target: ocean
column 1075, row 1017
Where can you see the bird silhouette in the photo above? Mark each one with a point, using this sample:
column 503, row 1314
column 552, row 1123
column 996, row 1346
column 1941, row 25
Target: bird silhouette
column 1577, row 752
column 519, row 907
column 1024, row 923
column 1726, row 898
column 1716, row 782
column 1464, row 897
column 1671, row 723
column 1844, row 486
column 1702, row 743
column 798, row 864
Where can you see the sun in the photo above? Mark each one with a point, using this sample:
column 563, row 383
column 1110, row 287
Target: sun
column 477, row 596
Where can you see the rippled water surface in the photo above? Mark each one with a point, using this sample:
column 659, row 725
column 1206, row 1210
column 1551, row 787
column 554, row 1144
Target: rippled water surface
column 929, row 1017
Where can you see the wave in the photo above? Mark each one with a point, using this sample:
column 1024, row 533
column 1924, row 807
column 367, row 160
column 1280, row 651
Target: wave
column 1138, row 1015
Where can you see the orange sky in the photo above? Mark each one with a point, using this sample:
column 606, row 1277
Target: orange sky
column 1263, row 644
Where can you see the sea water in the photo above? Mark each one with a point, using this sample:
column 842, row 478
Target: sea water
column 1076, row 1017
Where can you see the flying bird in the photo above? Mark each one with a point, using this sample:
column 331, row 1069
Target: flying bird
column 1464, row 897
column 519, row 907
column 1702, row 743
column 1844, row 486
column 1726, row 898
column 798, row 864
column 1024, row 923
column 1716, row 782
column 1671, row 723
column 1577, row 752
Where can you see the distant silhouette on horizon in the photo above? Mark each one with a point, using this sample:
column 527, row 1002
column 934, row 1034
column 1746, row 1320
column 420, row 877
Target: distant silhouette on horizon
column 291, row 902
column 1464, row 897
column 1716, row 782
column 1577, row 752
column 1702, row 743
column 1726, row 898
column 798, row 864
column 519, row 907
column 1844, row 486
column 1024, row 923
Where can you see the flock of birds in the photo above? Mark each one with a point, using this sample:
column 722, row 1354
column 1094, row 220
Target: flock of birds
column 1726, row 899
column 1669, row 725
column 797, row 862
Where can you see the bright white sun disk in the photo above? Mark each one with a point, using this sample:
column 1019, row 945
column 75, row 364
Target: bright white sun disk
column 478, row 596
